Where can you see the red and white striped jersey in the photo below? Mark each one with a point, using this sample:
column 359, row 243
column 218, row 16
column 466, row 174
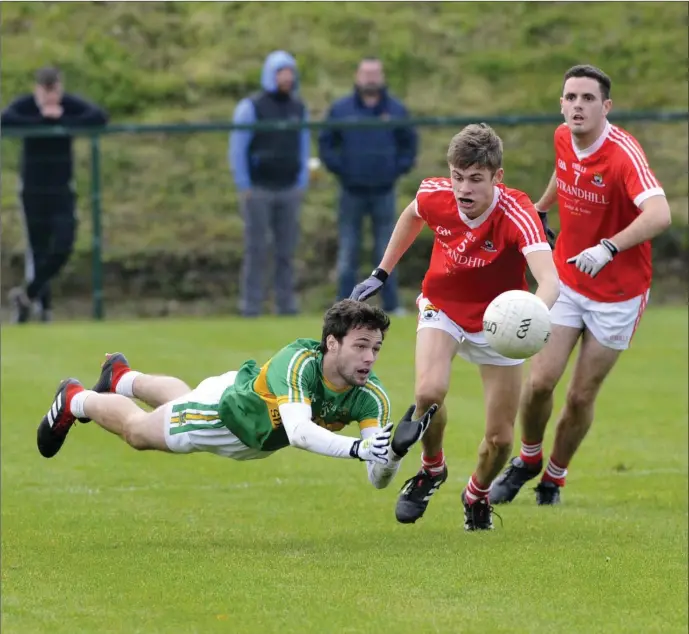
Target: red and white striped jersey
column 476, row 259
column 599, row 191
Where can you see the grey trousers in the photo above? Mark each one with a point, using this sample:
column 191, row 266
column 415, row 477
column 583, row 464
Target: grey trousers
column 271, row 228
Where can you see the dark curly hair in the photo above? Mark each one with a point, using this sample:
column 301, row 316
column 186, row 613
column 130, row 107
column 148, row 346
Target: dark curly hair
column 348, row 314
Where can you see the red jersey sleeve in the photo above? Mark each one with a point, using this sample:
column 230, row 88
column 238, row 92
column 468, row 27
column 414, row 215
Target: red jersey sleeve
column 428, row 192
column 639, row 180
column 523, row 225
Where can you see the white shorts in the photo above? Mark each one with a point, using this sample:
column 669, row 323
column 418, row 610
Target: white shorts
column 192, row 423
column 473, row 346
column 611, row 323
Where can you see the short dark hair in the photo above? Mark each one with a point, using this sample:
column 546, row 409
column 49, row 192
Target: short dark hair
column 349, row 314
column 477, row 144
column 48, row 76
column 586, row 70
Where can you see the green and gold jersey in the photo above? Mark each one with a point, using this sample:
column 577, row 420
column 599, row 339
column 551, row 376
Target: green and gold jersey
column 249, row 408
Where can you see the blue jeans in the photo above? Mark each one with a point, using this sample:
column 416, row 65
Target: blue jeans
column 353, row 209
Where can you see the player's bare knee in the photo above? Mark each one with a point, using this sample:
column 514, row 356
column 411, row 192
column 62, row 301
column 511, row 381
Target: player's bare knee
column 427, row 395
column 541, row 385
column 501, row 440
column 135, row 437
column 580, row 397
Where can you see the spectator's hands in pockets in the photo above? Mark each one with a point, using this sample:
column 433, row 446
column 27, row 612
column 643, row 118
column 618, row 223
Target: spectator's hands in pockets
column 370, row 286
column 410, row 431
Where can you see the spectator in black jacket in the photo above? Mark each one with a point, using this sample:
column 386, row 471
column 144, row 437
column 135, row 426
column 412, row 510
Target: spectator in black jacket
column 47, row 191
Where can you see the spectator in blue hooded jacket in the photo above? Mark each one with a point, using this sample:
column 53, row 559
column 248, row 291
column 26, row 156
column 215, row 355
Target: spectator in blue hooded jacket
column 367, row 162
column 271, row 171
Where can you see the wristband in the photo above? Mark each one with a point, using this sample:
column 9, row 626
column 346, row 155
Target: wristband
column 354, row 450
column 610, row 246
column 380, row 275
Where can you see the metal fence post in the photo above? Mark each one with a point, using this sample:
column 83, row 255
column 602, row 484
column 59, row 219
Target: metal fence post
column 96, row 238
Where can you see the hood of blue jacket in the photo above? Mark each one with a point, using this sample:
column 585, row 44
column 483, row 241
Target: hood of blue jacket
column 273, row 63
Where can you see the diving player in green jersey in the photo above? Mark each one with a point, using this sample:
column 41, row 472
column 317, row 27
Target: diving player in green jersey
column 303, row 394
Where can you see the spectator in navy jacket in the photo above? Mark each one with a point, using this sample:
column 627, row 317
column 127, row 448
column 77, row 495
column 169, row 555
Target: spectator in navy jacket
column 367, row 162
column 271, row 172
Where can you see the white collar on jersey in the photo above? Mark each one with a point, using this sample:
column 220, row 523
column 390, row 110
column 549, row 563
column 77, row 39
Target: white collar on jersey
column 597, row 144
column 474, row 223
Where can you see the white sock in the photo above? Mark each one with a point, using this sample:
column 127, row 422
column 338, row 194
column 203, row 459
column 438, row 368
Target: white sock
column 76, row 405
column 125, row 386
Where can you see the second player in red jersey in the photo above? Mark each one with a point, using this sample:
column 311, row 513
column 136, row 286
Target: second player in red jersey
column 600, row 191
column 485, row 236
column 611, row 205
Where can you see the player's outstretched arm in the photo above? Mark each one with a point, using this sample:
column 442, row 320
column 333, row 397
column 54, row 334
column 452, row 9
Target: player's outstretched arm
column 544, row 272
column 408, row 227
column 303, row 433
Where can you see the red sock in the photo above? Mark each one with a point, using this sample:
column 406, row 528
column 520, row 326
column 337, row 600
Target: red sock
column 118, row 370
column 555, row 473
column 475, row 491
column 531, row 454
column 433, row 465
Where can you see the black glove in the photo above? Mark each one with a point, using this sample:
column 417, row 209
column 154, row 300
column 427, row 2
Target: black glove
column 370, row 286
column 549, row 233
column 409, row 431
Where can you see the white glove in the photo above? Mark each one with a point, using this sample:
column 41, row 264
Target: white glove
column 592, row 260
column 373, row 449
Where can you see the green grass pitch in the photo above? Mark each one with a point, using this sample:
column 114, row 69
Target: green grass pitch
column 104, row 539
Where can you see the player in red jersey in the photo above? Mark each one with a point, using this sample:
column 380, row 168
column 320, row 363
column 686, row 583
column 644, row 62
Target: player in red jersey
column 610, row 206
column 485, row 235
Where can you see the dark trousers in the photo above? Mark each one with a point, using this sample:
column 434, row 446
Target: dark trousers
column 353, row 209
column 51, row 229
column 271, row 219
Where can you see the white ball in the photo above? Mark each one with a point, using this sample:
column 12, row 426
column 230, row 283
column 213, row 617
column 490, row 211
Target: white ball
column 516, row 324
